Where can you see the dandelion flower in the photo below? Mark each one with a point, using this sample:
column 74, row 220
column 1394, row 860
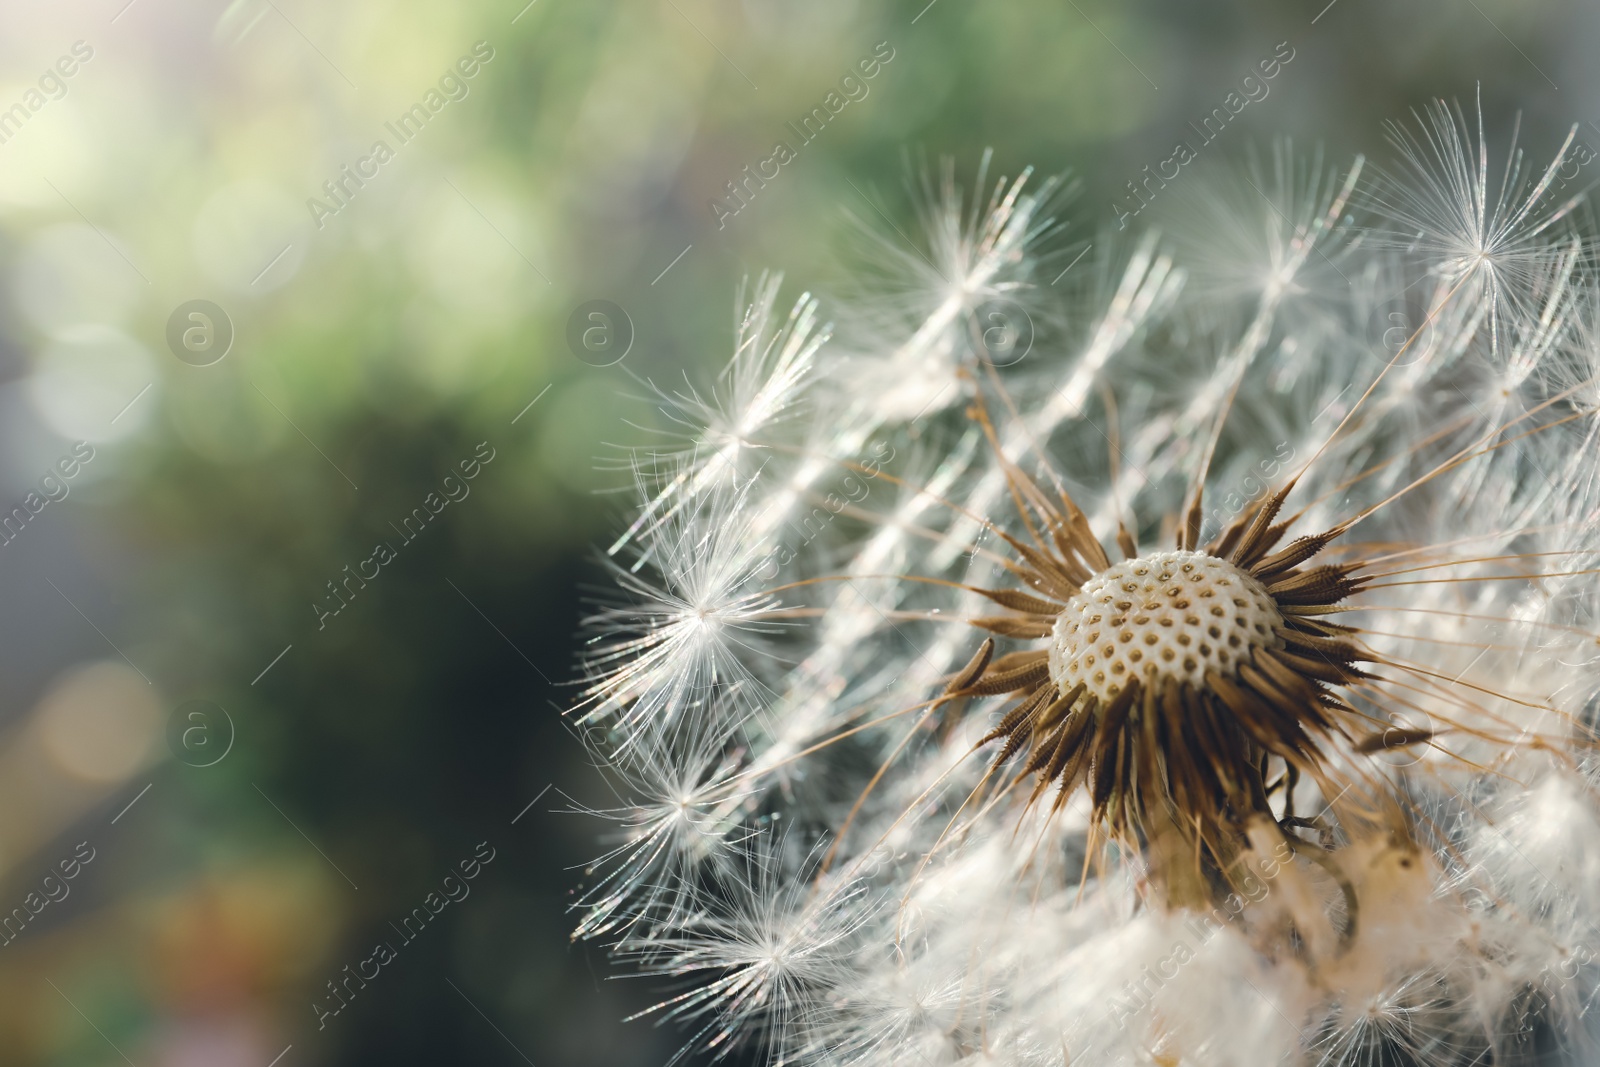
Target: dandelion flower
column 1214, row 685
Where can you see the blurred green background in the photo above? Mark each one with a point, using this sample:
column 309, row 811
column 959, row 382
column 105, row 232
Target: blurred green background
column 246, row 849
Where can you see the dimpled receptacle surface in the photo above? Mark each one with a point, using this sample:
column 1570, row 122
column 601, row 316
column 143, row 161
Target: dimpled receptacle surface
column 1164, row 617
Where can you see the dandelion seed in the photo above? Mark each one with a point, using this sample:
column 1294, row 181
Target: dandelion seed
column 1494, row 237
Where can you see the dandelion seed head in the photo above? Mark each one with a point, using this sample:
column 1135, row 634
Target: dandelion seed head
column 1318, row 499
column 1165, row 618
